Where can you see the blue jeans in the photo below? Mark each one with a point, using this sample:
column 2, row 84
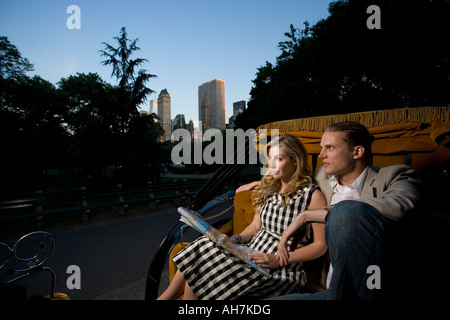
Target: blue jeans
column 358, row 237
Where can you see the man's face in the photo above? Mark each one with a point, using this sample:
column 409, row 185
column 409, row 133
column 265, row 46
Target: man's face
column 338, row 158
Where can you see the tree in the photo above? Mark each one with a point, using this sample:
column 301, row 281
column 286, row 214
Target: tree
column 32, row 133
column 32, row 114
column 12, row 70
column 132, row 91
column 339, row 65
column 12, row 64
column 89, row 121
column 84, row 125
column 137, row 150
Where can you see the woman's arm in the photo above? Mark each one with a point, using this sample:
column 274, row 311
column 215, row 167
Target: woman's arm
column 310, row 252
column 318, row 247
column 248, row 233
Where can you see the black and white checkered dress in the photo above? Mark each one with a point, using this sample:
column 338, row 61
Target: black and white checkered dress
column 214, row 273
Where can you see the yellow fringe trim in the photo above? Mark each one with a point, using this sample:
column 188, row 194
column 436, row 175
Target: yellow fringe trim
column 367, row 118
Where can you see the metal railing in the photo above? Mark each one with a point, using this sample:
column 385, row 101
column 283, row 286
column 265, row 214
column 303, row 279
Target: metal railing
column 85, row 200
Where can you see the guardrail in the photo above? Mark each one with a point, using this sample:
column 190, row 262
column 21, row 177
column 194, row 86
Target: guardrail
column 85, row 200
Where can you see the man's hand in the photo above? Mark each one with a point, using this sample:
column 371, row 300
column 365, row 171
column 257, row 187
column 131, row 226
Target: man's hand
column 316, row 215
column 248, row 186
column 289, row 232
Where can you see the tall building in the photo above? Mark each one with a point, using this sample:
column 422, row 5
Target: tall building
column 190, row 128
column 179, row 122
column 204, row 112
column 238, row 107
column 211, row 104
column 164, row 114
column 154, row 106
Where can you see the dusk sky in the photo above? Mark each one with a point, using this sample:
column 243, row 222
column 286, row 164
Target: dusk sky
column 187, row 42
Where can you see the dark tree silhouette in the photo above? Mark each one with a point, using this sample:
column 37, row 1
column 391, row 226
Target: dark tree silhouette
column 339, row 65
column 131, row 91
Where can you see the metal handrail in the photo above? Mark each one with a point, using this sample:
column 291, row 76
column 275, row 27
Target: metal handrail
column 124, row 193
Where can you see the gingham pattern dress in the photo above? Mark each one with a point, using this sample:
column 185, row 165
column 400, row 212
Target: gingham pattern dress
column 215, row 274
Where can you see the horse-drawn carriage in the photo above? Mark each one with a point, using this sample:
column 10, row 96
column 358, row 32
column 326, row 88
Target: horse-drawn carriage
column 419, row 137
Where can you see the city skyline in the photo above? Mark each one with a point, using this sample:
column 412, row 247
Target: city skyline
column 186, row 43
column 211, row 93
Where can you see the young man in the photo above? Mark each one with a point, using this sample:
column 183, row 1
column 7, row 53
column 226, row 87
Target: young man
column 365, row 204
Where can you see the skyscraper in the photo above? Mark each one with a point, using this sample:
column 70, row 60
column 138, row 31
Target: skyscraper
column 238, row 107
column 204, row 111
column 179, row 122
column 154, row 106
column 164, row 114
column 211, row 104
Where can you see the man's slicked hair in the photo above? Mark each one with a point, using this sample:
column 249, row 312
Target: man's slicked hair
column 355, row 135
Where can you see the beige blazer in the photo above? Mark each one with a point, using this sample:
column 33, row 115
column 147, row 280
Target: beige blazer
column 392, row 190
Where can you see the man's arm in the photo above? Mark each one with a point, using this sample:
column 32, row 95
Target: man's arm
column 248, row 186
column 315, row 214
column 394, row 191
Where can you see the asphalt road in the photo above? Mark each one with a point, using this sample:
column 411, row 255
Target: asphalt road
column 113, row 255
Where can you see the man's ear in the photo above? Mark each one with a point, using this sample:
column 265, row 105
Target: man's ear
column 358, row 152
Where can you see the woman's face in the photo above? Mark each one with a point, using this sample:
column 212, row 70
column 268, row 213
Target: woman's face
column 280, row 165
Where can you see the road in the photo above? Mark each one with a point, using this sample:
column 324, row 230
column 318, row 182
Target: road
column 113, row 255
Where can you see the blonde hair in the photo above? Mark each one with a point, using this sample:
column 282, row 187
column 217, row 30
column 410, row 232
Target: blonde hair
column 301, row 178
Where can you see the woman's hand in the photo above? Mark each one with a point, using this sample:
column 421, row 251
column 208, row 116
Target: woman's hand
column 265, row 260
column 290, row 231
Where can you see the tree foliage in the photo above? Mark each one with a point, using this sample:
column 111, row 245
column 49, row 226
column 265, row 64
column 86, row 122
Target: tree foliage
column 82, row 126
column 131, row 91
column 138, row 152
column 12, row 64
column 339, row 65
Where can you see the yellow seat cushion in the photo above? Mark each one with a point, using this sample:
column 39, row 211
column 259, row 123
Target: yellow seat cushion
column 243, row 211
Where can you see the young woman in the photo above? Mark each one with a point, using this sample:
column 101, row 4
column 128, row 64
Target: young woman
column 206, row 271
